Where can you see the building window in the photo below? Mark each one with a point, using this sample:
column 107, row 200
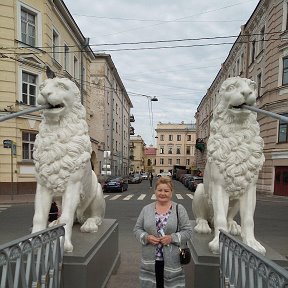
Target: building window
column 253, row 50
column 161, row 137
column 66, row 57
column 161, row 161
column 285, row 71
column 169, row 161
column 188, row 137
column 241, row 64
column 178, row 161
column 28, row 139
column 178, row 150
column 178, row 137
column 55, row 45
column 76, row 69
column 262, row 39
column 28, row 27
column 169, row 150
column 187, row 162
column 188, row 150
column 259, row 83
column 170, row 137
column 161, row 150
column 29, row 82
column 283, row 131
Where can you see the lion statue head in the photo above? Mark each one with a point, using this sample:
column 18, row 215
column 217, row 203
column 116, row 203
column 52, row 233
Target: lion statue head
column 234, row 143
column 62, row 145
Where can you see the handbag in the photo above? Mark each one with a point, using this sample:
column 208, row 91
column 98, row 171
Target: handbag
column 184, row 254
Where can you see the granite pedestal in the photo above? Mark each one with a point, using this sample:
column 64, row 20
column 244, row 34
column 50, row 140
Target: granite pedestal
column 94, row 258
column 203, row 270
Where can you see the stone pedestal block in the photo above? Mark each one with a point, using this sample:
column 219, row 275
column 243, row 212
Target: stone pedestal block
column 94, row 258
column 203, row 270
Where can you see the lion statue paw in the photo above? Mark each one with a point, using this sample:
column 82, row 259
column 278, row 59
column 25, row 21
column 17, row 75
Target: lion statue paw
column 252, row 242
column 234, row 228
column 91, row 225
column 202, row 226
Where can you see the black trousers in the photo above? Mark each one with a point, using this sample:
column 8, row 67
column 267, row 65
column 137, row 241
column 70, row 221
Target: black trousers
column 159, row 272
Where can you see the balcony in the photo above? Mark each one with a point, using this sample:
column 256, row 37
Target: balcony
column 132, row 129
column 132, row 119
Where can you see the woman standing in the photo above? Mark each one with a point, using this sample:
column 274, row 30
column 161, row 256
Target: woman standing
column 161, row 232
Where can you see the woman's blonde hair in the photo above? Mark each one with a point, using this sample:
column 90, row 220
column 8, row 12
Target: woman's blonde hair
column 164, row 180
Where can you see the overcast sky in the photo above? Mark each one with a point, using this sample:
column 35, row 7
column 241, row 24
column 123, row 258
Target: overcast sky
column 179, row 76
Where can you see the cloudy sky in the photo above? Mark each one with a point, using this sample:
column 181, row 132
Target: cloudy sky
column 185, row 42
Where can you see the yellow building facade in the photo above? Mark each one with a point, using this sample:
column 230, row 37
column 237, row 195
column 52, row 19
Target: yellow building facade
column 39, row 39
column 175, row 146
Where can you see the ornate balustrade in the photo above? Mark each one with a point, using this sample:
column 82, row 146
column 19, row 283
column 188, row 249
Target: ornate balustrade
column 34, row 260
column 241, row 266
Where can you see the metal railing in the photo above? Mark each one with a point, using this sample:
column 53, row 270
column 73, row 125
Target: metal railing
column 243, row 267
column 34, row 260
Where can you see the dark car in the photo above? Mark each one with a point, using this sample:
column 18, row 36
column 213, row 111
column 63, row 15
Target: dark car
column 136, row 178
column 192, row 185
column 117, row 183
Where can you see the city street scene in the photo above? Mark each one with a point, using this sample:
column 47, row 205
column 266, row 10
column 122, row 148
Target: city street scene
column 143, row 144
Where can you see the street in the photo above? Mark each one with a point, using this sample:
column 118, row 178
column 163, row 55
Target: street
column 270, row 224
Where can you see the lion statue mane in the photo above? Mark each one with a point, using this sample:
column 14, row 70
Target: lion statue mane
column 234, row 159
column 62, row 153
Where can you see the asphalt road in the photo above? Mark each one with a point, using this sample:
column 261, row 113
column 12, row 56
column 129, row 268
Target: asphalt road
column 271, row 217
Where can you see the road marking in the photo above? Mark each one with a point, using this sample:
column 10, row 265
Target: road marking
column 115, row 197
column 4, row 207
column 190, row 195
column 179, row 196
column 128, row 197
column 141, row 197
column 153, row 197
column 105, row 196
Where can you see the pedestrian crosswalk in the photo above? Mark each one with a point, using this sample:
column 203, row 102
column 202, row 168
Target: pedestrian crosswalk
column 112, row 197
column 4, row 207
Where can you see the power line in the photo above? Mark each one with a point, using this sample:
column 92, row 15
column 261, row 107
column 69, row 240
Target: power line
column 141, row 42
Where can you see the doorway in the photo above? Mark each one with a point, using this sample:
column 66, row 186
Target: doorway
column 281, row 181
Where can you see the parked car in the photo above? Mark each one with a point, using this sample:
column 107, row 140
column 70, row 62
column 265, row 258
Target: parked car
column 144, row 176
column 116, row 183
column 192, row 185
column 164, row 174
column 136, row 178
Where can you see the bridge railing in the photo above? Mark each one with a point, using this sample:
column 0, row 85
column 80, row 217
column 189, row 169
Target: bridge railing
column 243, row 267
column 34, row 260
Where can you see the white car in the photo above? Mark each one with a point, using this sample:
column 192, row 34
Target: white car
column 144, row 176
column 164, row 174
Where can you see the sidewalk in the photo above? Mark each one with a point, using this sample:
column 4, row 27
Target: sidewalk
column 17, row 199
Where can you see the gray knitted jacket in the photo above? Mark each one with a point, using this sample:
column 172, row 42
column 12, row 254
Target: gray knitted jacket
column 146, row 225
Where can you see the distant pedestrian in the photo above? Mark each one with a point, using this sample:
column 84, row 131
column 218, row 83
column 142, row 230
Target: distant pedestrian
column 53, row 214
column 150, row 178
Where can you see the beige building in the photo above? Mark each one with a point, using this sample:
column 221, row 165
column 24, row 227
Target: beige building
column 175, row 146
column 261, row 54
column 137, row 146
column 40, row 40
column 111, row 114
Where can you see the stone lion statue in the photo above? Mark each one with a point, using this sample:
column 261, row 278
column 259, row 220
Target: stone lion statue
column 62, row 162
column 234, row 158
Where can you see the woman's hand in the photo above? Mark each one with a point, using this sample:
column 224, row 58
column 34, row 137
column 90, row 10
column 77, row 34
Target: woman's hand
column 153, row 240
column 166, row 240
